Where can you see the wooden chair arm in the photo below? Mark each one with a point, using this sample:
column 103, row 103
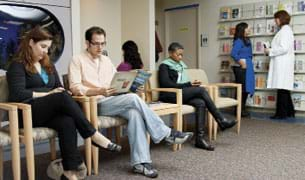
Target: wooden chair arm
column 174, row 90
column 85, row 104
column 224, row 85
column 22, row 106
column 12, row 113
column 8, row 107
column 208, row 87
column 81, row 99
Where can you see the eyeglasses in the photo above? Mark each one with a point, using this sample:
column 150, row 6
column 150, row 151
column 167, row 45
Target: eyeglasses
column 97, row 44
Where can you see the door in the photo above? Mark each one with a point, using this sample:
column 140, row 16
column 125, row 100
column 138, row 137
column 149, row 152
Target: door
column 181, row 25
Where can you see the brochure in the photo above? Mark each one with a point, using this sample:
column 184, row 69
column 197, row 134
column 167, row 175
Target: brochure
column 140, row 79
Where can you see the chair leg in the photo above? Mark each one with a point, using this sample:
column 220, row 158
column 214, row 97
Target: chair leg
column 176, row 127
column 180, row 120
column 109, row 133
column 30, row 160
column 15, row 147
column 29, row 144
column 215, row 125
column 118, row 131
column 88, row 155
column 15, row 163
column 210, row 126
column 52, row 148
column 184, row 124
column 238, row 117
column 1, row 163
column 95, row 157
column 148, row 138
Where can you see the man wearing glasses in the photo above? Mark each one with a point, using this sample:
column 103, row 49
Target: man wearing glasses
column 90, row 73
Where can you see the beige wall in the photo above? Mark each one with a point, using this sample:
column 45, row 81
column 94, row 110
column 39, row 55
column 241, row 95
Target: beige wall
column 209, row 16
column 138, row 25
column 75, row 20
column 159, row 26
column 106, row 14
column 122, row 19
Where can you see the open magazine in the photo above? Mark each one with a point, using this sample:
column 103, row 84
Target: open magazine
column 125, row 82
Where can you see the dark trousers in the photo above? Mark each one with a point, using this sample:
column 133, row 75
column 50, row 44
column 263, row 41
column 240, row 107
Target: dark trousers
column 61, row 113
column 197, row 97
column 240, row 78
column 284, row 104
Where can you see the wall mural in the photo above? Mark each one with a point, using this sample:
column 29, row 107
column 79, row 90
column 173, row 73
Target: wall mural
column 16, row 20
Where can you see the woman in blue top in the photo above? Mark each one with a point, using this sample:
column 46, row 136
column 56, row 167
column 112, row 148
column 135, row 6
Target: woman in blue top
column 242, row 54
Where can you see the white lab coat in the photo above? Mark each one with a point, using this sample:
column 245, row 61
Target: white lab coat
column 281, row 68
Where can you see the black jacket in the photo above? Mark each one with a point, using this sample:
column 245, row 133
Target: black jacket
column 22, row 84
column 168, row 79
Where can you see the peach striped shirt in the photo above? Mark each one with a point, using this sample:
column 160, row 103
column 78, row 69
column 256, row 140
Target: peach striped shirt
column 85, row 73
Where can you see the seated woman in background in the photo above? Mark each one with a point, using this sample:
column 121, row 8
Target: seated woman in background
column 132, row 58
column 33, row 79
column 172, row 74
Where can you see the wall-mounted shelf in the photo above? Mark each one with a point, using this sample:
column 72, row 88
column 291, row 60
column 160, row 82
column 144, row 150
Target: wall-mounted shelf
column 257, row 18
column 243, row 19
column 260, row 71
column 259, row 35
column 263, row 29
column 264, row 107
column 299, row 52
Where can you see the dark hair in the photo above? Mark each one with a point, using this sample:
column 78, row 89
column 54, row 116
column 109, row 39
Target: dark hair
column 25, row 52
column 174, row 47
column 132, row 55
column 94, row 30
column 283, row 16
column 240, row 33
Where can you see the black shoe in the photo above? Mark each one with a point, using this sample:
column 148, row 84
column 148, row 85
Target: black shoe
column 145, row 169
column 291, row 114
column 178, row 137
column 111, row 147
column 226, row 123
column 202, row 144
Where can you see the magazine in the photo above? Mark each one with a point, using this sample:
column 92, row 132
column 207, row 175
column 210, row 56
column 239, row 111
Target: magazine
column 125, row 82
column 247, row 11
column 236, row 11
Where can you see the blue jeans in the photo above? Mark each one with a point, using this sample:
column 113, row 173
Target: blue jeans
column 141, row 119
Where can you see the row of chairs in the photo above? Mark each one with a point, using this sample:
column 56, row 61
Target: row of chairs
column 28, row 135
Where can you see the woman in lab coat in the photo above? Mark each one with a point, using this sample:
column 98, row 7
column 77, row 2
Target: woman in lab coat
column 281, row 68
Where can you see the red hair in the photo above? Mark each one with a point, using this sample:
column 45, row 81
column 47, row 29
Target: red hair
column 25, row 52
